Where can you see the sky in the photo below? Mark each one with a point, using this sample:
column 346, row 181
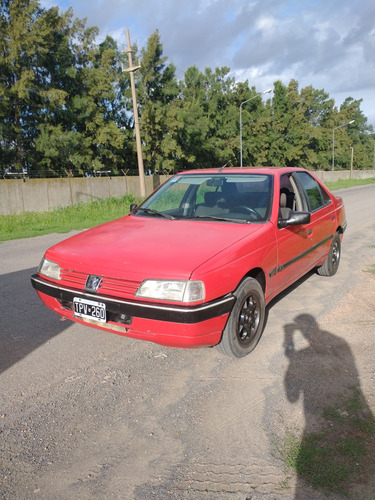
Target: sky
column 329, row 44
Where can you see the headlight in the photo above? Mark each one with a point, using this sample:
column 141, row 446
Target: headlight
column 49, row 269
column 178, row 291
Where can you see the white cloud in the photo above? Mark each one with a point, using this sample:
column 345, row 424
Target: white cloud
column 266, row 24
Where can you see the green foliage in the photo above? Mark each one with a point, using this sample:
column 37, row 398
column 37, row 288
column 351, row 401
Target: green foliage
column 61, row 95
column 159, row 120
column 65, row 108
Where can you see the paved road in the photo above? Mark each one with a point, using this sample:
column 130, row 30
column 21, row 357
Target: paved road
column 90, row 415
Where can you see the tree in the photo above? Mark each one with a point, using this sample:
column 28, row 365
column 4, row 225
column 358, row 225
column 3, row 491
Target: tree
column 61, row 95
column 256, row 125
column 357, row 136
column 25, row 40
column 65, row 105
column 86, row 136
column 279, row 128
column 193, row 133
column 210, row 117
column 222, row 115
column 157, row 89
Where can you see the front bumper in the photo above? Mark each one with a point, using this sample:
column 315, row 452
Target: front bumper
column 172, row 325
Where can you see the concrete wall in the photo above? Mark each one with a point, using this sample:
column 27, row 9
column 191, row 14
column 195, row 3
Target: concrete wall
column 329, row 176
column 38, row 195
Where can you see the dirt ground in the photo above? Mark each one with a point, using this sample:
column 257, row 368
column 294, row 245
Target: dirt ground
column 90, row 415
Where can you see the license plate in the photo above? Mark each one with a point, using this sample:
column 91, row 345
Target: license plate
column 89, row 309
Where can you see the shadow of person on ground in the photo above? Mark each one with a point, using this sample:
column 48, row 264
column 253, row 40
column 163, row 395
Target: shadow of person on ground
column 336, row 451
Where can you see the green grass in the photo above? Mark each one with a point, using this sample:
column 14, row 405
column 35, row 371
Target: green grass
column 371, row 269
column 65, row 219
column 346, row 183
column 85, row 215
column 340, row 454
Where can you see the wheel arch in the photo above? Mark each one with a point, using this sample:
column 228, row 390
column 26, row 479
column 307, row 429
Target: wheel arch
column 258, row 274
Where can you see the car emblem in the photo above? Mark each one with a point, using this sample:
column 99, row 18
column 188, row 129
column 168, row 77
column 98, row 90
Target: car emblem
column 92, row 283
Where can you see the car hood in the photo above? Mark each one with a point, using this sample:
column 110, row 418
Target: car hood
column 147, row 247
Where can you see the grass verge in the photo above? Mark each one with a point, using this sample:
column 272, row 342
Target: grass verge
column 338, row 457
column 346, row 183
column 65, row 219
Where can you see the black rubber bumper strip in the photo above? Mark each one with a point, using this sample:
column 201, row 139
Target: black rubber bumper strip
column 160, row 312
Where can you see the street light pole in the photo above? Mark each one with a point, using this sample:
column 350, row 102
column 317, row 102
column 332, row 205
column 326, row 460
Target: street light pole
column 242, row 103
column 333, row 142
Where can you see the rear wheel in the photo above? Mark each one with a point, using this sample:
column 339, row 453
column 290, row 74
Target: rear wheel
column 331, row 264
column 245, row 323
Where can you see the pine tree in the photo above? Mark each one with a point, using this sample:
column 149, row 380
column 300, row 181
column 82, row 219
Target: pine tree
column 157, row 89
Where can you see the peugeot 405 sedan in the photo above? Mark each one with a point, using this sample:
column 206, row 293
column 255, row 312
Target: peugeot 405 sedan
column 197, row 262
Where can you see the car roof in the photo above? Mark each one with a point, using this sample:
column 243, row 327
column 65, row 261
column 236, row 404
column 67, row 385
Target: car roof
column 243, row 170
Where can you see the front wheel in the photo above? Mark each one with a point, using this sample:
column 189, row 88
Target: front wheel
column 331, row 264
column 245, row 323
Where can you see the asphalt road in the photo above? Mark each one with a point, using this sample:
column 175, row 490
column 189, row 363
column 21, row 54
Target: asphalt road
column 86, row 414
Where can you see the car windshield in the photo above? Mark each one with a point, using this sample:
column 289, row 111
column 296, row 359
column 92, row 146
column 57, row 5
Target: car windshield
column 219, row 197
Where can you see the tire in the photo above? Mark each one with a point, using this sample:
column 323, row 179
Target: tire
column 245, row 323
column 331, row 264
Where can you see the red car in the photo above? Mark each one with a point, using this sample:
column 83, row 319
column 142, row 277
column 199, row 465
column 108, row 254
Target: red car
column 197, row 262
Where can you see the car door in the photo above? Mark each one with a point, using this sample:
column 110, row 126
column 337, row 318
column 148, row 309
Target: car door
column 323, row 221
column 294, row 243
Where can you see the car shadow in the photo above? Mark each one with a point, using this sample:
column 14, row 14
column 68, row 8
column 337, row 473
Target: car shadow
column 339, row 424
column 25, row 322
column 291, row 288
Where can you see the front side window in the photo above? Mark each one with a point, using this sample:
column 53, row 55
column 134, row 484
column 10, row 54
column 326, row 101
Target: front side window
column 316, row 196
column 226, row 197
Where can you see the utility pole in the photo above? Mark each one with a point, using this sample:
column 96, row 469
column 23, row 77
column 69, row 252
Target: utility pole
column 131, row 70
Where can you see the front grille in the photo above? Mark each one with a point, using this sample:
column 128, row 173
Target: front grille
column 108, row 286
column 72, row 278
column 113, row 286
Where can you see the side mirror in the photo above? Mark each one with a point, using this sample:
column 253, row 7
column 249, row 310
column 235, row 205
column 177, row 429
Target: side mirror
column 294, row 219
column 133, row 206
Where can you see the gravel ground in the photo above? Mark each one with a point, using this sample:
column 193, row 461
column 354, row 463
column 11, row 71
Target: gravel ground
column 89, row 415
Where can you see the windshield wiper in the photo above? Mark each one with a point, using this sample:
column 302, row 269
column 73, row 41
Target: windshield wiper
column 154, row 212
column 222, row 219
